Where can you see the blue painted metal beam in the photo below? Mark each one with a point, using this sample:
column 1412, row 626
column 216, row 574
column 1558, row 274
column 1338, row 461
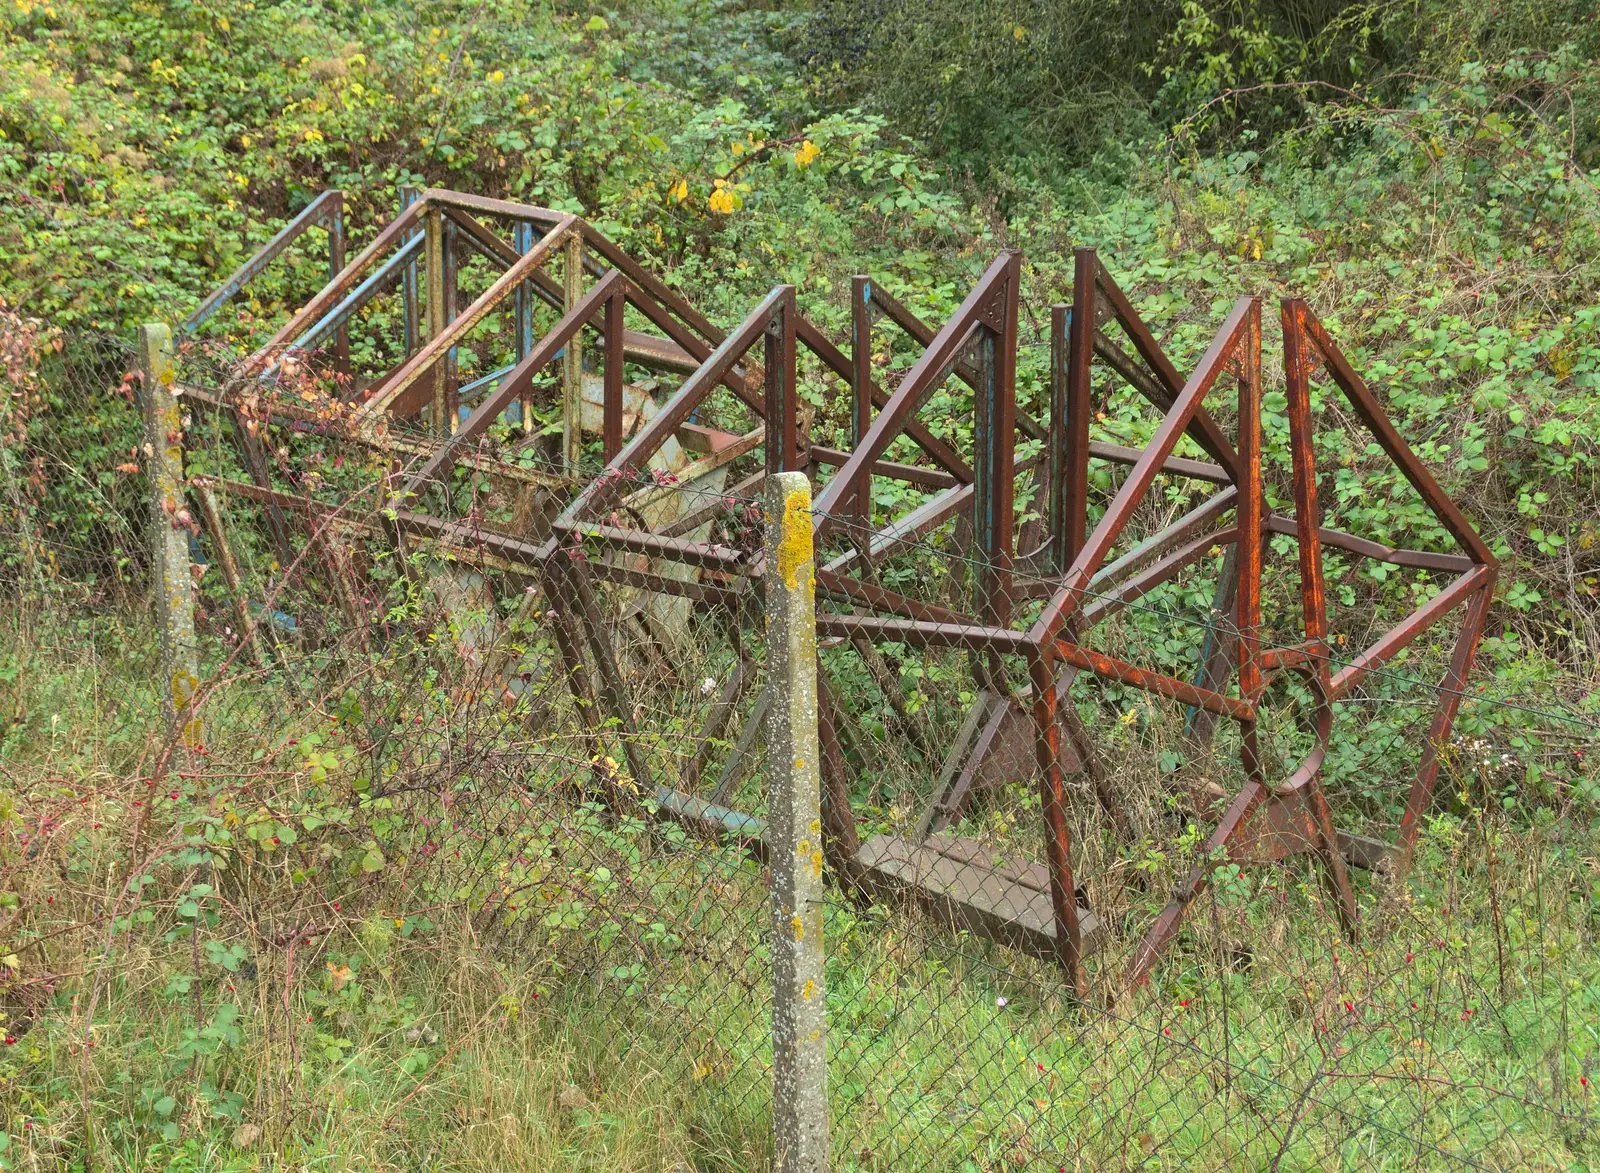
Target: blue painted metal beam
column 359, row 296
column 323, row 210
column 470, row 391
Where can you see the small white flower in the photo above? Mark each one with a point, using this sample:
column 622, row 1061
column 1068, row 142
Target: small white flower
column 708, row 686
column 1000, row 1002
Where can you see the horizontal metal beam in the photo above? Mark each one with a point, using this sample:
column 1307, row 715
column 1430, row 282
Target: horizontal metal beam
column 699, row 592
column 933, row 478
column 701, row 554
column 300, row 420
column 1125, row 673
column 1420, row 559
column 869, row 594
column 1178, row 466
column 921, row 633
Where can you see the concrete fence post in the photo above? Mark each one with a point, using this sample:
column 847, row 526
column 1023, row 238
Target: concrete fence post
column 572, row 358
column 172, row 584
column 799, row 1034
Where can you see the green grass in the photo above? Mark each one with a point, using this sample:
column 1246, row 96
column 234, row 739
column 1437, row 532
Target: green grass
column 629, row 1030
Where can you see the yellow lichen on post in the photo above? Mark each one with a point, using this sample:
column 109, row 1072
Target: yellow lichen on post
column 795, row 542
column 172, row 585
column 799, row 1043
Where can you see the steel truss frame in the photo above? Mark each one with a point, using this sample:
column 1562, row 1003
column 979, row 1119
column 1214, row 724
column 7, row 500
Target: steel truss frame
column 1264, row 819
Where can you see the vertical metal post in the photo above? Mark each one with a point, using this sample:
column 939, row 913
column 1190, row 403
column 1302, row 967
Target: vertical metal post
column 611, row 409
column 522, row 239
column 1071, row 348
column 572, row 359
column 1054, row 505
column 436, row 315
column 172, row 584
column 341, row 344
column 1052, row 800
column 452, row 306
column 1247, row 595
column 799, row 1037
column 783, row 433
column 995, row 439
column 861, row 402
column 1313, row 600
column 408, row 281
column 860, row 358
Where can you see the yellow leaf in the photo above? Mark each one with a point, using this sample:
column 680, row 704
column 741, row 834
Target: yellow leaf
column 679, row 191
column 722, row 201
column 806, row 154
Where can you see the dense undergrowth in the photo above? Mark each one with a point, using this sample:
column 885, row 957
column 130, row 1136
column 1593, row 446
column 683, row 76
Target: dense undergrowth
column 1422, row 176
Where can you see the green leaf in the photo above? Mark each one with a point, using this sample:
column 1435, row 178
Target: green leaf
column 164, row 1106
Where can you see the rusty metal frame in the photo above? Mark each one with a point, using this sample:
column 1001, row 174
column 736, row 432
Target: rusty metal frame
column 326, row 211
column 978, row 344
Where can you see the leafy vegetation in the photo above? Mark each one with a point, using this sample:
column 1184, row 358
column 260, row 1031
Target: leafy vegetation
column 1420, row 171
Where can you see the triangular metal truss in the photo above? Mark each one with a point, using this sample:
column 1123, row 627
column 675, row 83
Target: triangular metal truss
column 1038, row 592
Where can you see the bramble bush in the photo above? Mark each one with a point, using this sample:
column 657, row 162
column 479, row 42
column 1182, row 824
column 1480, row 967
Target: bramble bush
column 1436, row 209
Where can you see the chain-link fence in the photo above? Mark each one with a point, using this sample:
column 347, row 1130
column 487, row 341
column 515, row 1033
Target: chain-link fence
column 532, row 774
column 389, row 772
column 1435, row 1031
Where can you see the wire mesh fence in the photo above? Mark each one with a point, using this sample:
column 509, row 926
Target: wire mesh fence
column 1434, row 1032
column 406, row 741
column 385, row 759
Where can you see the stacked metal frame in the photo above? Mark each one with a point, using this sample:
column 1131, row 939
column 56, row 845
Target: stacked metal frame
column 1072, row 581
